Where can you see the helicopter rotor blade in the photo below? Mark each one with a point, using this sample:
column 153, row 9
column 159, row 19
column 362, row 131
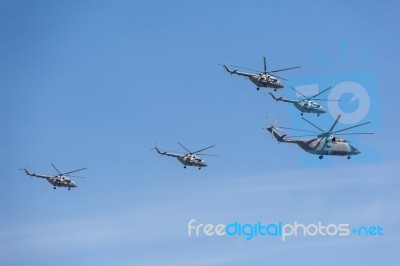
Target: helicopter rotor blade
column 75, row 176
column 276, row 122
column 265, row 65
column 205, row 154
column 55, row 168
column 334, row 124
column 273, row 127
column 283, row 69
column 185, row 148
column 328, row 100
column 319, row 142
column 313, row 124
column 74, row 171
column 303, row 136
column 269, row 121
column 299, row 130
column 196, row 152
column 279, row 77
column 298, row 92
column 361, row 133
column 325, row 143
column 350, row 127
column 318, row 93
column 250, row 69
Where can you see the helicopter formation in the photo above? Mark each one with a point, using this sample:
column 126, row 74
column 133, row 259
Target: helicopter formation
column 322, row 142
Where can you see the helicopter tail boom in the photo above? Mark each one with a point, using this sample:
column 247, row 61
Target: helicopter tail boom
column 227, row 69
column 26, row 171
column 275, row 134
column 282, row 99
column 158, row 151
column 33, row 174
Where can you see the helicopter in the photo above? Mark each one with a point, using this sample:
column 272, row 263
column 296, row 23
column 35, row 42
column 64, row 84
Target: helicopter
column 59, row 180
column 326, row 142
column 187, row 159
column 306, row 105
column 261, row 79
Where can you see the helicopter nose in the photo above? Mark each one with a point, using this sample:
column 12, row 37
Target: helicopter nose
column 355, row 150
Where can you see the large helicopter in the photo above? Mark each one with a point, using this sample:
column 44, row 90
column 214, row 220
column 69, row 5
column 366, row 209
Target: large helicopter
column 261, row 79
column 307, row 104
column 188, row 159
column 59, row 180
column 326, row 143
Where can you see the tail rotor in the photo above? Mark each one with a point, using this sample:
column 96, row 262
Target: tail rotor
column 272, row 128
column 25, row 170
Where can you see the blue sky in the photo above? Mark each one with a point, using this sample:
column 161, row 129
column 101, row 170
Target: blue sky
column 95, row 83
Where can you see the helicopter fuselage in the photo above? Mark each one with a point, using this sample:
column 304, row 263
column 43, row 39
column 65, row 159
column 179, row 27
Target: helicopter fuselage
column 266, row 81
column 61, row 181
column 192, row 160
column 307, row 106
column 327, row 146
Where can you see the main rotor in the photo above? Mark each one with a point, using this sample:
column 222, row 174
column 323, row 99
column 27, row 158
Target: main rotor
column 197, row 152
column 331, row 132
column 68, row 173
column 265, row 72
column 322, row 133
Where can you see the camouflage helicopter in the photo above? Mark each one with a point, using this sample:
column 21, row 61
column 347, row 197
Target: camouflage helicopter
column 188, row 159
column 326, row 143
column 261, row 79
column 307, row 104
column 59, row 180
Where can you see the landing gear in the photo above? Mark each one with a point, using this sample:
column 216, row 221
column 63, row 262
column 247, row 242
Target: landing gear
column 317, row 114
column 54, row 187
column 258, row 88
column 274, row 89
column 199, row 168
column 321, row 156
column 348, row 157
column 184, row 166
column 69, row 188
column 301, row 113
